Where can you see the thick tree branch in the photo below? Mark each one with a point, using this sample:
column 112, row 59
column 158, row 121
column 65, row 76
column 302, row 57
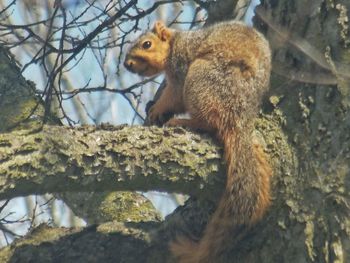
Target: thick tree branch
column 109, row 242
column 62, row 159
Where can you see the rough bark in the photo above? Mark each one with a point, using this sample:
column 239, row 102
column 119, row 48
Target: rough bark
column 108, row 242
column 313, row 224
column 59, row 159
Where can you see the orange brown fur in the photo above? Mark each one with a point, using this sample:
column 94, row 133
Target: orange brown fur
column 218, row 75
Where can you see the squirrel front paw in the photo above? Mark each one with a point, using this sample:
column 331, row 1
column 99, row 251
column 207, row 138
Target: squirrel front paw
column 154, row 115
column 157, row 116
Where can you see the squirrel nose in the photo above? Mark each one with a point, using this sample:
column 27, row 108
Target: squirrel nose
column 128, row 63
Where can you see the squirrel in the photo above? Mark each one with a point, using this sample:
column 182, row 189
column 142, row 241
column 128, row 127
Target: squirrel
column 218, row 75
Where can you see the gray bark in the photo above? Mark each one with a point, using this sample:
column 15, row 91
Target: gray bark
column 311, row 40
column 59, row 159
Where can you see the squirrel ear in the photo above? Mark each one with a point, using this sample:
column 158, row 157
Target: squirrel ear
column 161, row 30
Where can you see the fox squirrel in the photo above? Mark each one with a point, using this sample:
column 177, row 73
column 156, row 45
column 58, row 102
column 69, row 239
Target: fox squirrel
column 218, row 75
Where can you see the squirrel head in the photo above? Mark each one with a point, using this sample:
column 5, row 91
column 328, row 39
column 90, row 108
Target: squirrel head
column 148, row 55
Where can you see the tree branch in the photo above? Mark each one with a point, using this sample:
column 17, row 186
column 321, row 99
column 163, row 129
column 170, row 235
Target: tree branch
column 62, row 159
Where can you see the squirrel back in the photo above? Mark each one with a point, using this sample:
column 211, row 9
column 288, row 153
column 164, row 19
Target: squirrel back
column 218, row 75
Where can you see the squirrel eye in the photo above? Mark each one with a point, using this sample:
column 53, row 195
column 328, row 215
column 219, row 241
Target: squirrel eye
column 146, row 44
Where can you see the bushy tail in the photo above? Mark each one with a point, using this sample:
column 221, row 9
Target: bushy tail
column 244, row 201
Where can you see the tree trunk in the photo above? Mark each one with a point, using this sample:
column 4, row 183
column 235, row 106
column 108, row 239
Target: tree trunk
column 310, row 39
